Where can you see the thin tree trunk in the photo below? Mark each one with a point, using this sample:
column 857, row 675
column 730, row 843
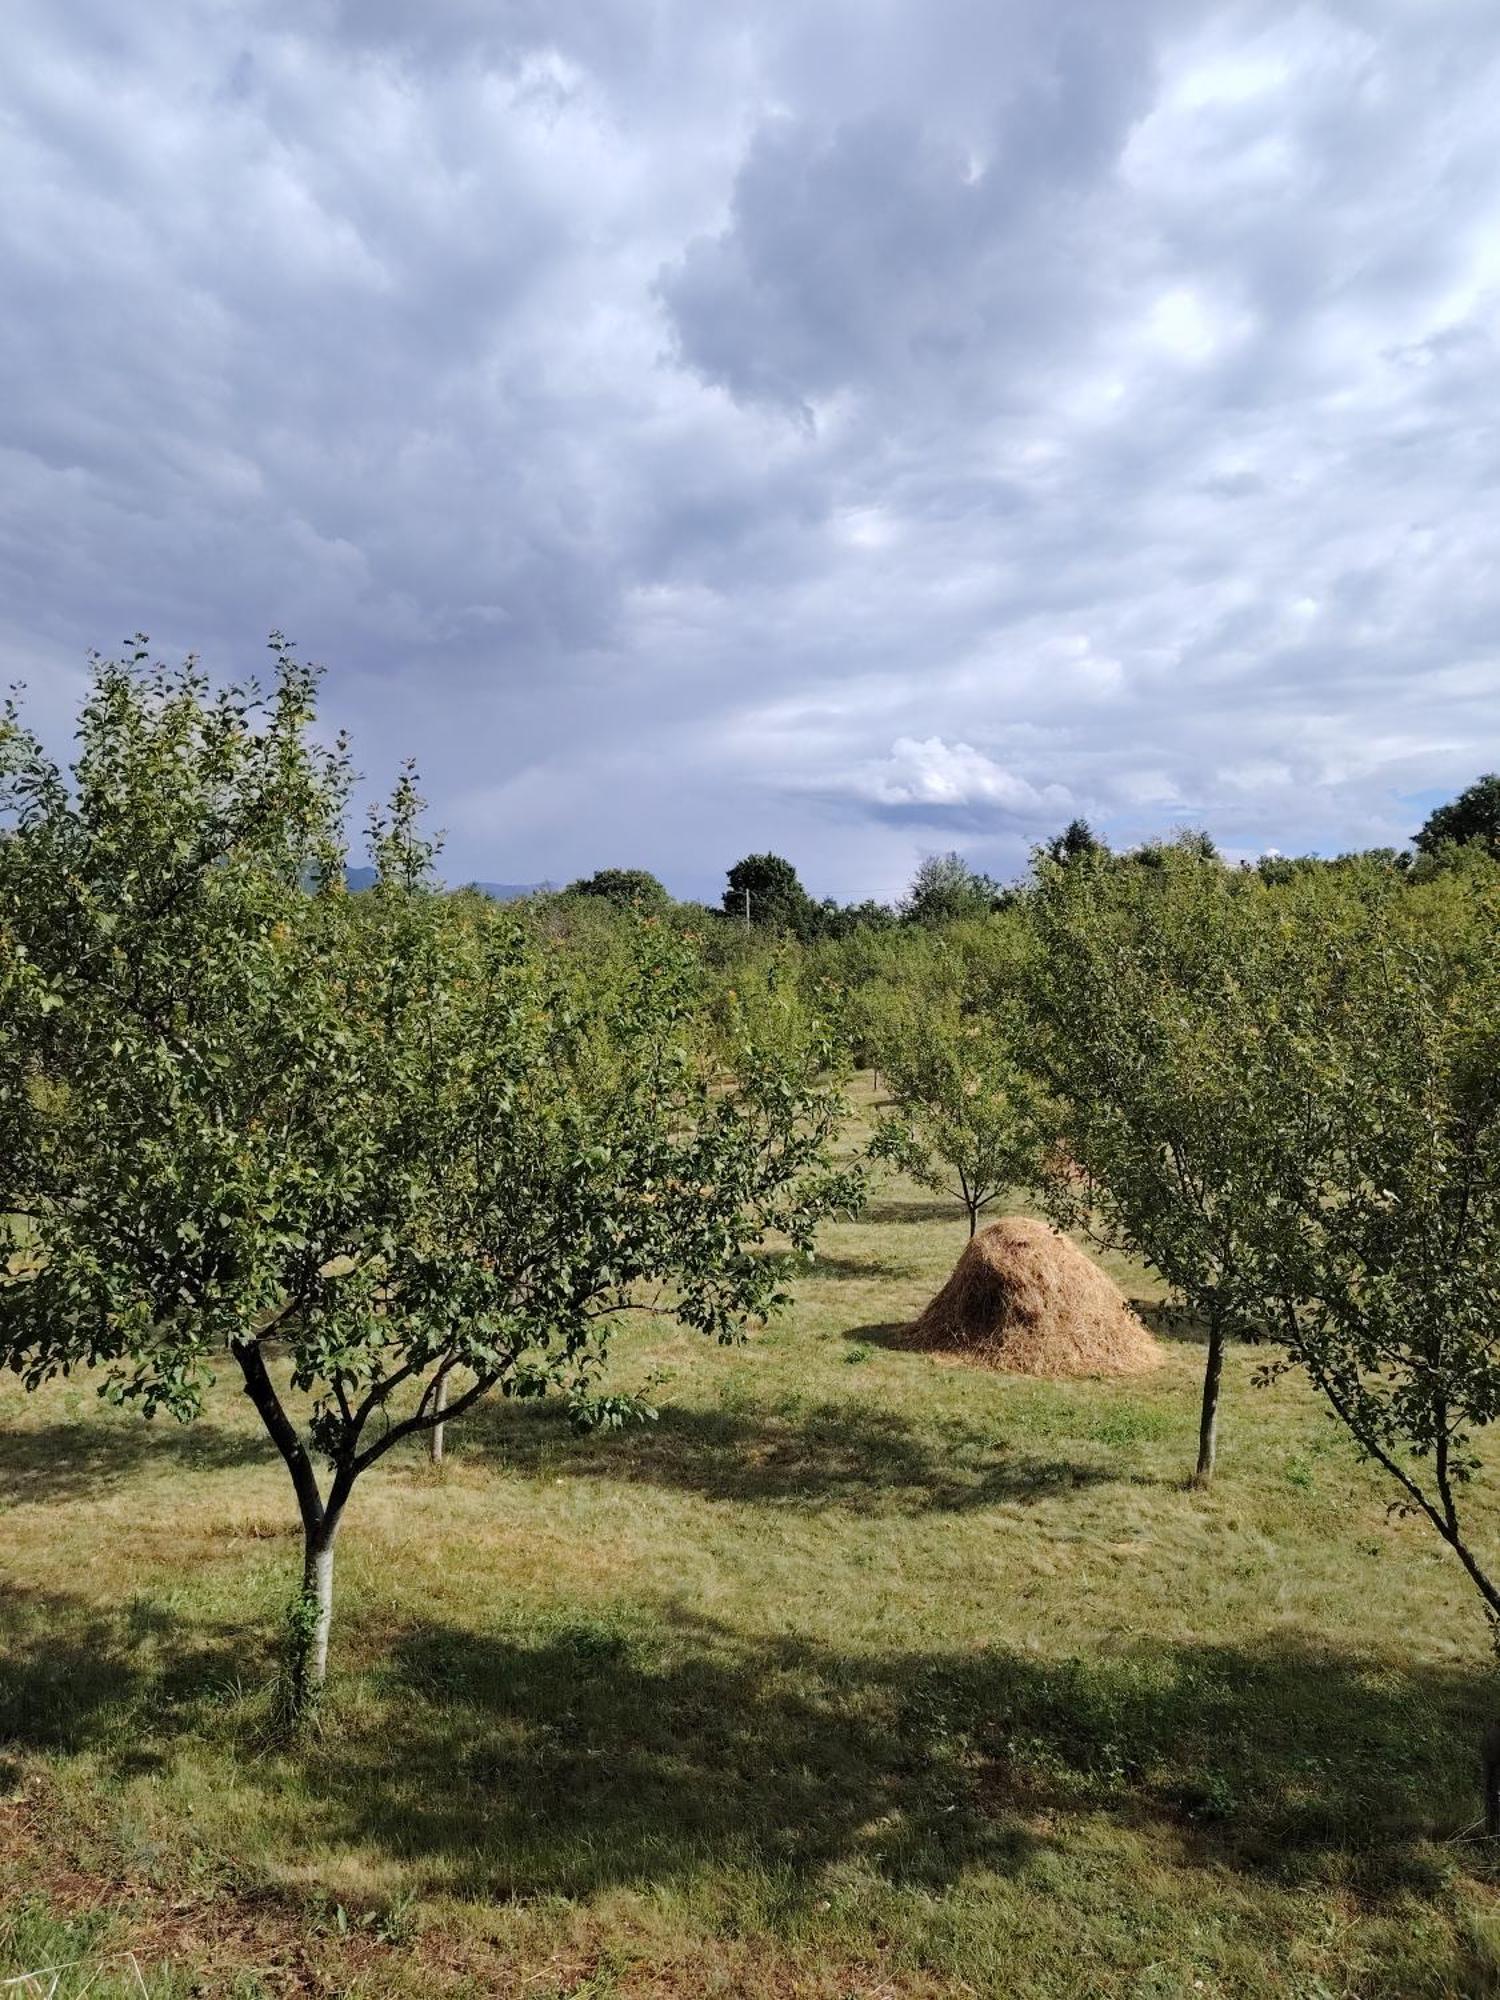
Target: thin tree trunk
column 1490, row 1777
column 439, row 1403
column 970, row 1201
column 313, row 1615
column 1208, row 1422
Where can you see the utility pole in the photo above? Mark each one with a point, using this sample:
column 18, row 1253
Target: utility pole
column 747, row 909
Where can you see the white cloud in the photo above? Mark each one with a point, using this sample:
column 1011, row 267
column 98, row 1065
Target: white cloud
column 932, row 773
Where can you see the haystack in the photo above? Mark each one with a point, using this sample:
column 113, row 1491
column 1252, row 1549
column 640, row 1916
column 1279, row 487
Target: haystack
column 1025, row 1299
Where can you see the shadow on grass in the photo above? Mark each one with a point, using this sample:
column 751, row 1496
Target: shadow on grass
column 76, row 1461
column 607, row 1762
column 1170, row 1322
column 885, row 1333
column 869, row 1269
column 566, row 1760
column 825, row 1453
column 1175, row 1323
column 896, row 1209
column 73, row 1674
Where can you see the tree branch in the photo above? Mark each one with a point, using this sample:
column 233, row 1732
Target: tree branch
column 1445, row 1522
column 262, row 1393
column 423, row 1420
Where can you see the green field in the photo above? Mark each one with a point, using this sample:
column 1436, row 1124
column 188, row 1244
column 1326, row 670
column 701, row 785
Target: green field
column 857, row 1674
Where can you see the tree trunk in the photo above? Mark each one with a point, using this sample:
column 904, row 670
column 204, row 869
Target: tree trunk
column 974, row 1201
column 1208, row 1422
column 312, row 1616
column 1490, row 1771
column 439, row 1403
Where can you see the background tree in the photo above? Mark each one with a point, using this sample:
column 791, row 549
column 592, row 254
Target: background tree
column 1191, row 843
column 777, row 899
column 1473, row 818
column 626, row 888
column 1076, row 839
column 366, row 1149
column 841, row 920
column 964, row 1118
column 945, row 890
column 877, row 971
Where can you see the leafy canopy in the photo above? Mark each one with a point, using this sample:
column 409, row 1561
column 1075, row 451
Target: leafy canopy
column 1472, row 818
column 1130, row 971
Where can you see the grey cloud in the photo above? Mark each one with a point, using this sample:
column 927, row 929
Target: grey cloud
column 883, row 247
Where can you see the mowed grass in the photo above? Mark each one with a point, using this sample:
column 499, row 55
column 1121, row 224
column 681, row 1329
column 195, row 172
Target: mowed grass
column 856, row 1674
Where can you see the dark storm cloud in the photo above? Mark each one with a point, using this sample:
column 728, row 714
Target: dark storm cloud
column 894, row 245
column 851, row 429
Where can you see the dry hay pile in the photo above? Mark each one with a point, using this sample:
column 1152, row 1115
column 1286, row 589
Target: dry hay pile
column 1025, row 1299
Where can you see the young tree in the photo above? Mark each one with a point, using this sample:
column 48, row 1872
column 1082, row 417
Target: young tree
column 965, row 1115
column 1288, row 1098
column 1366, row 1121
column 1131, row 971
column 26, row 1000
column 378, row 1153
column 1374, row 1256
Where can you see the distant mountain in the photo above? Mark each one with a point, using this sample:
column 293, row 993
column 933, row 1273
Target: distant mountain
column 499, row 892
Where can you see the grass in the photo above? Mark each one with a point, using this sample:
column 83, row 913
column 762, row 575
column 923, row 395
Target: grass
column 857, row 1674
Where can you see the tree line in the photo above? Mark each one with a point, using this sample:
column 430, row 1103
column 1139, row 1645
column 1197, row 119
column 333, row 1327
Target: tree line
column 765, row 893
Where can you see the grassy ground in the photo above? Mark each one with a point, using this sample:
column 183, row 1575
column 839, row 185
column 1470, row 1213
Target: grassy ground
column 858, row 1674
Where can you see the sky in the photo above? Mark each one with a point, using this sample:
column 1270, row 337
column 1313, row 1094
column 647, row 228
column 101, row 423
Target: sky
column 856, row 428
